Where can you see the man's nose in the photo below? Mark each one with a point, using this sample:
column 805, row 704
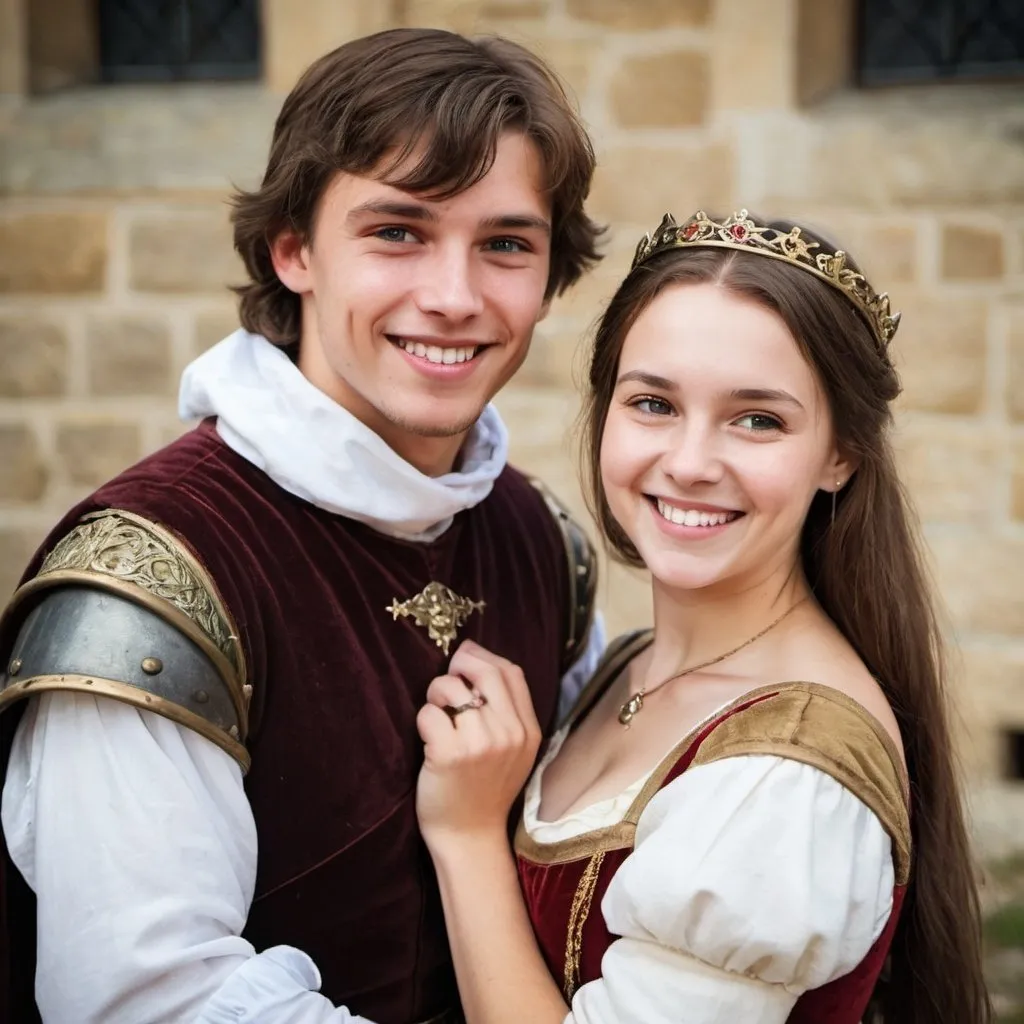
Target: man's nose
column 449, row 286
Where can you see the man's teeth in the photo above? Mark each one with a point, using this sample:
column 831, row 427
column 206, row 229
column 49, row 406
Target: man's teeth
column 436, row 354
column 691, row 517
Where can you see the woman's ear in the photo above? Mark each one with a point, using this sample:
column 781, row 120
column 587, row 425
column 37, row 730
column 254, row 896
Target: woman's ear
column 838, row 470
column 290, row 256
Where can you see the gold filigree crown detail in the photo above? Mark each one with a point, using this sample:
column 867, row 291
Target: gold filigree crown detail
column 741, row 231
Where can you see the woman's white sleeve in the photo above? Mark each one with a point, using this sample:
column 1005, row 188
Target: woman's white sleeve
column 753, row 879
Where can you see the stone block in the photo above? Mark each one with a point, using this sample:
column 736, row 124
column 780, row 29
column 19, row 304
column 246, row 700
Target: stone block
column 940, row 349
column 662, row 90
column 888, row 253
column 953, row 470
column 184, row 252
column 1015, row 382
column 129, row 355
column 91, row 451
column 1017, row 480
column 33, row 357
column 636, row 185
column 989, row 694
column 53, row 253
column 211, row 327
column 454, row 15
column 754, row 55
column 23, row 472
column 971, row 253
column 16, row 549
column 979, row 575
column 630, row 16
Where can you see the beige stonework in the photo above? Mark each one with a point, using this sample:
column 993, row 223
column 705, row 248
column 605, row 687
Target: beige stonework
column 17, row 545
column 52, row 253
column 211, row 326
column 33, row 358
column 971, row 253
column 129, row 355
column 187, row 252
column 91, row 450
column 666, row 90
column 1017, row 480
column 630, row 16
column 23, row 473
column 888, row 254
column 941, row 351
column 1015, row 378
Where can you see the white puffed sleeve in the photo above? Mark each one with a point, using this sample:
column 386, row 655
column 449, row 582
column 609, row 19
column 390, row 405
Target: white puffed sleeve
column 753, row 879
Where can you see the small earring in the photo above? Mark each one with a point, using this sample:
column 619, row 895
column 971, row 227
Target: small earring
column 839, row 487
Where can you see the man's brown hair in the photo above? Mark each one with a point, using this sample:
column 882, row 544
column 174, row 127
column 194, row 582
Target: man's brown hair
column 386, row 96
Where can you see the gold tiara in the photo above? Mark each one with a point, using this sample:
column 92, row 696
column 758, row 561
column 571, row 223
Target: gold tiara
column 739, row 231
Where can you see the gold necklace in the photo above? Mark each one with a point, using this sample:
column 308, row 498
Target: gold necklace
column 635, row 704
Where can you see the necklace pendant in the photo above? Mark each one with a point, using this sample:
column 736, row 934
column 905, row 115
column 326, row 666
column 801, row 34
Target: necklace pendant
column 631, row 708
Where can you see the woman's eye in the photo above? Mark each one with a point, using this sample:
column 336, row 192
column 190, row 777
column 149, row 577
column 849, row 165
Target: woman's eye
column 395, row 234
column 759, row 422
column 653, row 406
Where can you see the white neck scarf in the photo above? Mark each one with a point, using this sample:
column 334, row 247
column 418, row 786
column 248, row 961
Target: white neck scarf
column 313, row 448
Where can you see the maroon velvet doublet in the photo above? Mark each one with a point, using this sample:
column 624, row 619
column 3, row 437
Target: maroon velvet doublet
column 563, row 894
column 343, row 874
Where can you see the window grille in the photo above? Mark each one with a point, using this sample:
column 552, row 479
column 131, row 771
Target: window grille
column 904, row 41
column 176, row 40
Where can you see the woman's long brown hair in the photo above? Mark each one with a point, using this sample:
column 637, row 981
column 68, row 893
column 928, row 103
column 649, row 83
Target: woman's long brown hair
column 866, row 571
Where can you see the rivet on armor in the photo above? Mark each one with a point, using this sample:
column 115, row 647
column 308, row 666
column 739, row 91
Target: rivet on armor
column 247, row 691
column 15, row 667
column 152, row 666
column 201, row 696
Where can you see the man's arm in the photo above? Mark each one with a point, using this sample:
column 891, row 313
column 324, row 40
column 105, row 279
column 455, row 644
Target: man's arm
column 136, row 836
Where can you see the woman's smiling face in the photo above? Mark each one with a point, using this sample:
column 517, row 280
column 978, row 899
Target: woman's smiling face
column 717, row 438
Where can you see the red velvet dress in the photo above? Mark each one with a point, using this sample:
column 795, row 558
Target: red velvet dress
column 565, row 882
column 337, row 683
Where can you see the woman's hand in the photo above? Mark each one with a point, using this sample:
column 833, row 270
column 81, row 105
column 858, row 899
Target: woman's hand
column 478, row 759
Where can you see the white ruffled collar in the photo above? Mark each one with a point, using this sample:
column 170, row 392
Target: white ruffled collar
column 271, row 415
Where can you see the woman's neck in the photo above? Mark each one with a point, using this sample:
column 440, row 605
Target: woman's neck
column 695, row 626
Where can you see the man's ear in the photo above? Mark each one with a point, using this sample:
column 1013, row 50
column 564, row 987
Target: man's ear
column 290, row 256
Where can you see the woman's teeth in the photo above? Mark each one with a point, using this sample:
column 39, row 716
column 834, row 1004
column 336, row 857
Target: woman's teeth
column 436, row 354
column 692, row 517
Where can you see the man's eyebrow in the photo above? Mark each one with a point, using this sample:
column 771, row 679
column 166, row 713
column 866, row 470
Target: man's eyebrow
column 651, row 380
column 392, row 208
column 766, row 395
column 526, row 221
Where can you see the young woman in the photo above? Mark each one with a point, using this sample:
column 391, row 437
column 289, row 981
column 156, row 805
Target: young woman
column 752, row 814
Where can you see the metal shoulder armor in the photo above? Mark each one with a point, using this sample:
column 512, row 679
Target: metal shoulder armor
column 582, row 565
column 121, row 608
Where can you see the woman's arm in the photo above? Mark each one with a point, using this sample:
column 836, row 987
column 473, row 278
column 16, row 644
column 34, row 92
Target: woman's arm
column 476, row 762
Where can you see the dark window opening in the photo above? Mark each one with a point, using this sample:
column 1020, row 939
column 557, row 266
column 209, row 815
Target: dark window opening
column 901, row 41
column 1015, row 754
column 178, row 40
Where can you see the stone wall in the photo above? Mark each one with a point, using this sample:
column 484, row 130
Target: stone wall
column 114, row 255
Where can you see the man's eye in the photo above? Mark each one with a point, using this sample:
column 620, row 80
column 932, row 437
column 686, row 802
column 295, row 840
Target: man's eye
column 758, row 422
column 394, row 234
column 506, row 245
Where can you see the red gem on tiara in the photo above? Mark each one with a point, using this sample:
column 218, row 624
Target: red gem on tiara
column 739, row 232
column 690, row 230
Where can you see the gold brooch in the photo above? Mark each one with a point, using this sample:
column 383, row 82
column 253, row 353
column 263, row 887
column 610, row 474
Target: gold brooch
column 439, row 610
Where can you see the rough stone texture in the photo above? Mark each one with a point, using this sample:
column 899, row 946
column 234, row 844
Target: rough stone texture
column 211, row 326
column 23, row 474
column 1015, row 382
column 953, row 471
column 630, row 16
column 33, row 358
column 940, row 349
column 188, row 252
column 1017, row 480
column 91, row 451
column 129, row 355
column 667, row 90
column 53, row 253
column 971, row 253
column 674, row 179
column 17, row 546
column 888, row 254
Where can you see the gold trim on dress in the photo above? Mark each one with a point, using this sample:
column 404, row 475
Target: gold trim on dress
column 439, row 610
column 126, row 554
column 127, row 694
column 579, row 912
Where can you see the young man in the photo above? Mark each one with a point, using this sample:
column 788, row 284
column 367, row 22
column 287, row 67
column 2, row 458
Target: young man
column 226, row 646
